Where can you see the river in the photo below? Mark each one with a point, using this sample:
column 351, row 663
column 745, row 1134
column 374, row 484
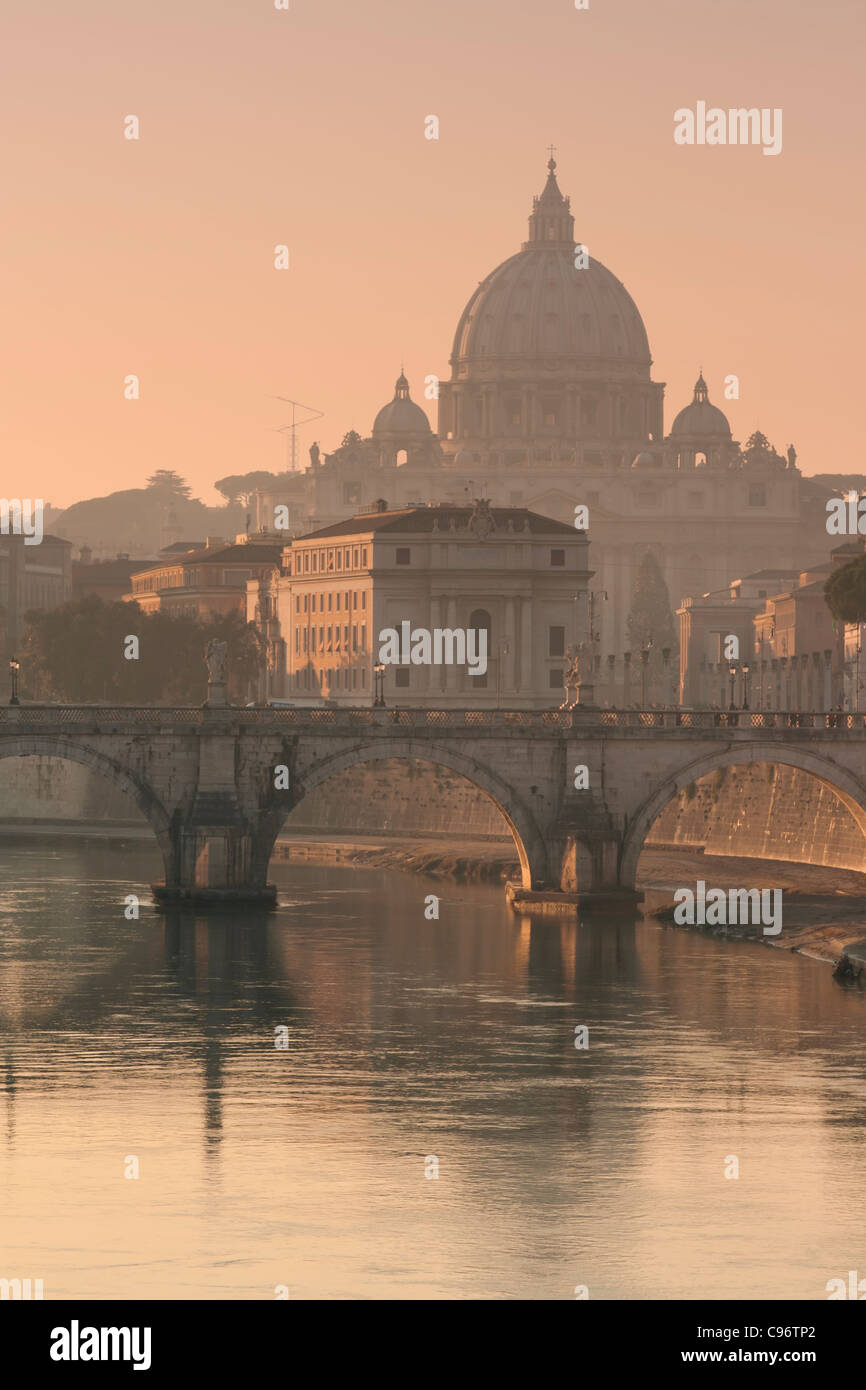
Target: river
column 413, row 1047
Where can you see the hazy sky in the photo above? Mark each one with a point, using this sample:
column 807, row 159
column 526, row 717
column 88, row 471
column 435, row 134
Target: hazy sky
column 306, row 127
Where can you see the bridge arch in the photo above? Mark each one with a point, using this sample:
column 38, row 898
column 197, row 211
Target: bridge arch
column 528, row 840
column 48, row 746
column 849, row 789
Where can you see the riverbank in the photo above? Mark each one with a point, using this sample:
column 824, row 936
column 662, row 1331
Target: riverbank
column 824, row 909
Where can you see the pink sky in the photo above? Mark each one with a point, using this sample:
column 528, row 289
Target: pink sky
column 261, row 127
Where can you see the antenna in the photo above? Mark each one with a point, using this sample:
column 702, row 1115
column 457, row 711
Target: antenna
column 292, row 428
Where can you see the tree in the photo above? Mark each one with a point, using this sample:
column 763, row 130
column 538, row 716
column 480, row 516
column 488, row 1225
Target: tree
column 78, row 653
column 845, row 592
column 650, row 618
column 167, row 481
column 240, row 487
column 651, row 628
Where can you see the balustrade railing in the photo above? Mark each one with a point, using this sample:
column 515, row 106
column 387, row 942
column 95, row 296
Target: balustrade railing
column 371, row 717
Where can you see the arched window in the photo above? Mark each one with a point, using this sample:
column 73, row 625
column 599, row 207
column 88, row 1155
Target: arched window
column 402, row 457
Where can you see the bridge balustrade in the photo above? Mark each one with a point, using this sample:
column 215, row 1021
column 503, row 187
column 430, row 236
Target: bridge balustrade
column 578, row 718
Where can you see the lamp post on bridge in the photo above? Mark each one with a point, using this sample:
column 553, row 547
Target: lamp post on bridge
column 379, row 681
column 732, row 670
column 14, row 668
column 745, row 685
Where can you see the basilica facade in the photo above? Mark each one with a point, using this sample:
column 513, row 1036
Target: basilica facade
column 551, row 405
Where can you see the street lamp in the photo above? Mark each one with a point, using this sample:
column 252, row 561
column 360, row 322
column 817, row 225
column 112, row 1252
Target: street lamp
column 379, row 678
column 745, row 685
column 733, row 673
column 14, row 668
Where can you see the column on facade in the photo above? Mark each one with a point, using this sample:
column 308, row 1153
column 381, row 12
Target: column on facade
column 451, row 672
column 526, row 647
column 509, row 639
column 434, row 673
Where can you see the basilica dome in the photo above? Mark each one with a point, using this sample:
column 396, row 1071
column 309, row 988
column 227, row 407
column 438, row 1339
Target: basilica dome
column 541, row 304
column 700, row 420
column 401, row 416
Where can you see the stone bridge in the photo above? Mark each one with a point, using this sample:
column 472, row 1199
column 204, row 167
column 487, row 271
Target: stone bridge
column 217, row 784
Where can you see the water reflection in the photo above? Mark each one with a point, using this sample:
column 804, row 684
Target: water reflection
column 410, row 1038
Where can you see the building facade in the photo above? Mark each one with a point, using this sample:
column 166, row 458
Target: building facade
column 31, row 577
column 205, row 583
column 521, row 579
column 550, row 403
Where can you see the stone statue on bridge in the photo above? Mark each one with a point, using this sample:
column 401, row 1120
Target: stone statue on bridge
column 578, row 677
column 216, row 656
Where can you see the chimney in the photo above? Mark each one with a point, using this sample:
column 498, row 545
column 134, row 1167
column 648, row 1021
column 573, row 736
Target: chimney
column 213, row 542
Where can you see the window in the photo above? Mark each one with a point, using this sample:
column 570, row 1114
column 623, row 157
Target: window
column 402, row 554
column 338, row 601
column 401, row 676
column 307, row 562
column 354, row 637
column 313, row 603
column 297, row 640
column 355, row 558
column 757, row 496
column 355, row 599
column 557, row 557
column 352, row 492
column 306, row 598
column 694, row 500
column 330, row 601
column 364, row 557
column 363, row 637
column 556, row 641
column 339, row 560
column 555, row 680
column 364, row 599
column 297, row 603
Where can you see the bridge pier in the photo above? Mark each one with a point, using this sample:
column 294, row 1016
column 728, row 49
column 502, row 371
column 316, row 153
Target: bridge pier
column 214, row 865
column 585, row 857
column 215, row 859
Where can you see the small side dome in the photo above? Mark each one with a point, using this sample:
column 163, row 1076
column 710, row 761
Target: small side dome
column 401, row 417
column 701, row 420
column 647, row 460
